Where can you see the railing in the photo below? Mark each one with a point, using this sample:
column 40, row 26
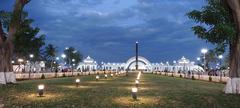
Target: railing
column 23, row 76
column 195, row 76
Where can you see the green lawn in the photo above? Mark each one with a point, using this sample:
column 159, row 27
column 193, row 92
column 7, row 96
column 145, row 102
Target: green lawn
column 155, row 91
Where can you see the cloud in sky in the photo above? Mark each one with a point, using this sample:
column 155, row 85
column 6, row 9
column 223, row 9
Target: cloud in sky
column 108, row 29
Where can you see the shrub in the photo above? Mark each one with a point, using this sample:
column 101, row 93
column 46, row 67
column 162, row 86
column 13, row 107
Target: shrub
column 181, row 76
column 193, row 78
column 78, row 74
column 43, row 76
column 64, row 75
column 210, row 78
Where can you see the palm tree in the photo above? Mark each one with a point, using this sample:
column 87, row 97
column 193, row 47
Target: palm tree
column 50, row 54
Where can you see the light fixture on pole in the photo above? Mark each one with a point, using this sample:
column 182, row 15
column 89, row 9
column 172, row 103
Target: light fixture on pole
column 41, row 90
column 134, row 93
column 73, row 60
column 63, row 56
column 204, row 51
column 111, row 75
column 31, row 55
column 198, row 61
column 220, row 57
column 57, row 58
column 198, row 58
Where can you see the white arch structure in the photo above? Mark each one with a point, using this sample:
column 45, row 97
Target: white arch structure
column 143, row 64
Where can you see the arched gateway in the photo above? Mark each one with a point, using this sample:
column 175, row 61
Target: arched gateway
column 143, row 64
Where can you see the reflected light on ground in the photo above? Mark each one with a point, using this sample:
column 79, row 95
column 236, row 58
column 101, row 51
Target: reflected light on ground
column 97, row 82
column 128, row 101
column 80, row 87
column 46, row 96
column 129, row 88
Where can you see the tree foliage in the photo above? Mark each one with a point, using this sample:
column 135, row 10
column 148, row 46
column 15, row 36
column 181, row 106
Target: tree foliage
column 26, row 40
column 214, row 24
column 72, row 56
column 49, row 55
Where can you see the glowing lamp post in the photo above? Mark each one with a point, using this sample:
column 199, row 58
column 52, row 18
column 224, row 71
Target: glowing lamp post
column 63, row 56
column 111, row 75
column 134, row 93
column 31, row 55
column 40, row 90
column 204, row 51
column 77, row 82
column 220, row 57
column 97, row 78
column 136, row 83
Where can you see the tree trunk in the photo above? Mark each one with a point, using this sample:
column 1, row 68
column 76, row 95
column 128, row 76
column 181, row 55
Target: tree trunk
column 233, row 84
column 6, row 46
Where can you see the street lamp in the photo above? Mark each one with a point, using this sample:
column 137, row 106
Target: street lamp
column 63, row 56
column 220, row 63
column 198, row 58
column 31, row 57
column 73, row 60
column 204, row 51
column 198, row 61
column 57, row 58
column 40, row 90
column 134, row 93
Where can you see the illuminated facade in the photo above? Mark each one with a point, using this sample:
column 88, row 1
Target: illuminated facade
column 182, row 64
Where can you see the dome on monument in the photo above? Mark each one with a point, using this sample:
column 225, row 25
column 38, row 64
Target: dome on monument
column 88, row 60
column 183, row 60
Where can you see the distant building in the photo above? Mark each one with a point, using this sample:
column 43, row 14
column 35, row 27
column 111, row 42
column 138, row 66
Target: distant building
column 88, row 64
column 182, row 64
column 38, row 66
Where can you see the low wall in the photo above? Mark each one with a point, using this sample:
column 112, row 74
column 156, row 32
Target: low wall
column 196, row 77
column 23, row 76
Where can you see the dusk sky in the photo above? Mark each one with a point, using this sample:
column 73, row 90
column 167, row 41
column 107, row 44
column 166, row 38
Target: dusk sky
column 107, row 29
